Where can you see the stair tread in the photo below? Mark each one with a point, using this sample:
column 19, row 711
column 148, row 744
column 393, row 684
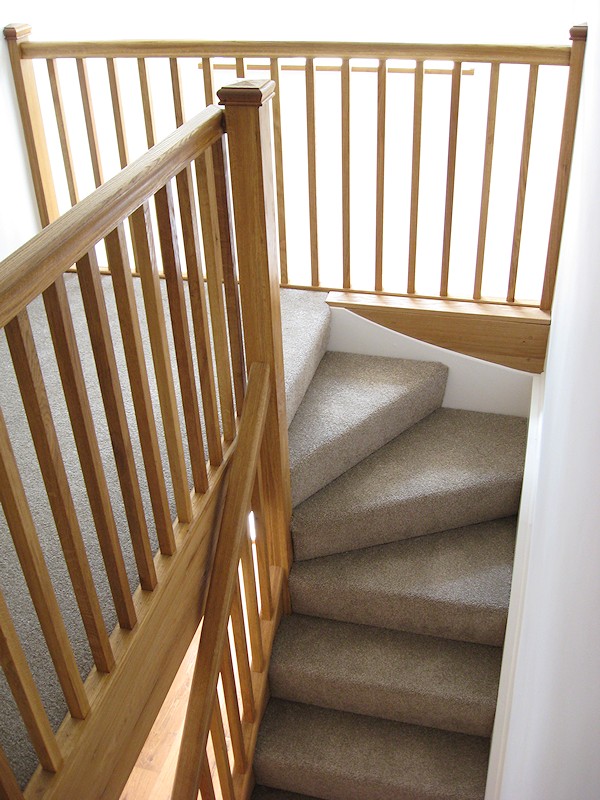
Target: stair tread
column 454, row 584
column 383, row 673
column 453, row 468
column 305, row 323
column 354, row 405
column 340, row 756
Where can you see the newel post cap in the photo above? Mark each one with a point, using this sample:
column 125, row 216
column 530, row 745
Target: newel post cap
column 579, row 33
column 247, row 93
column 17, row 30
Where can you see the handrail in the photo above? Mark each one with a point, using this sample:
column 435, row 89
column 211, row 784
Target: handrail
column 508, row 54
column 213, row 639
column 38, row 263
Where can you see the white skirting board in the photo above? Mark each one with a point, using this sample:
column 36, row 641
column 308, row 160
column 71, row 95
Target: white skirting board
column 473, row 384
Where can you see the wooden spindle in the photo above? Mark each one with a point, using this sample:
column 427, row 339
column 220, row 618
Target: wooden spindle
column 9, row 788
column 262, row 553
column 242, row 657
column 240, row 69
column 20, row 680
column 487, row 177
column 221, row 755
column 118, row 261
column 248, row 123
column 86, row 441
column 117, row 104
column 177, row 93
column 209, row 92
column 452, row 141
column 279, row 179
column 110, row 386
column 63, row 134
column 31, row 118
column 346, row 172
column 311, row 141
column 214, row 280
column 415, row 180
column 232, row 297
column 578, row 37
column 169, row 245
column 233, row 711
column 191, row 244
column 37, row 577
column 525, row 151
column 207, row 790
column 146, row 103
column 145, row 258
column 37, row 408
column 258, row 657
column 90, row 122
column 380, row 179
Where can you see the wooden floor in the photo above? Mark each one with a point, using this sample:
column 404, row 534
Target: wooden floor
column 152, row 777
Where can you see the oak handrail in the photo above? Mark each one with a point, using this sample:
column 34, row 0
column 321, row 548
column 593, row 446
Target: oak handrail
column 37, row 264
column 213, row 638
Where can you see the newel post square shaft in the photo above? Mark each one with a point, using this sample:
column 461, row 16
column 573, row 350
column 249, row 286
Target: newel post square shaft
column 248, row 125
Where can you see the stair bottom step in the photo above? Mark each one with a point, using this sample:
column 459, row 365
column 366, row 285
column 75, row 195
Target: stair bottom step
column 336, row 755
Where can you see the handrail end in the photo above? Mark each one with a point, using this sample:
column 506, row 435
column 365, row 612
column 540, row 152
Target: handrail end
column 578, row 33
column 17, row 30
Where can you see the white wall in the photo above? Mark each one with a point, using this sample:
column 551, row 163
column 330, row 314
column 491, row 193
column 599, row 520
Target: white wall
column 547, row 739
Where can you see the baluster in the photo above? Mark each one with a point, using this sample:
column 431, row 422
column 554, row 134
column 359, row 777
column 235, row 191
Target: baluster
column 169, row 245
column 65, row 144
column 9, row 787
column 191, row 244
column 262, row 552
column 177, row 93
column 115, row 94
column 118, row 261
column 214, row 279
column 90, row 122
column 311, row 140
column 240, row 69
column 381, row 98
column 416, row 172
column 20, row 680
column 278, row 147
column 346, row 171
column 242, row 657
column 145, row 258
column 525, row 151
column 33, row 128
column 116, row 417
column 146, row 103
column 35, row 402
column 69, row 364
column 232, row 298
column 35, row 571
column 209, row 94
column 487, row 176
column 258, row 658
column 221, row 756
column 578, row 37
column 452, row 141
column 206, row 784
column 233, row 711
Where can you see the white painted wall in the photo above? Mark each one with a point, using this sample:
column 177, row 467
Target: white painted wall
column 547, row 738
column 472, row 384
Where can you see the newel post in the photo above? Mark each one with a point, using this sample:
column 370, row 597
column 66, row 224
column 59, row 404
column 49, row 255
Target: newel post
column 248, row 124
column 31, row 118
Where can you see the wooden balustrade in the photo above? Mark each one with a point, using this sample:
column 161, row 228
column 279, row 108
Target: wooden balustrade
column 134, row 666
column 275, row 59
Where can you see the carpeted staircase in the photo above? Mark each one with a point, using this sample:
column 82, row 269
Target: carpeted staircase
column 384, row 678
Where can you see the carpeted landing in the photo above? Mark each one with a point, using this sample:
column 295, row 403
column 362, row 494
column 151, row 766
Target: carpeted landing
column 385, row 677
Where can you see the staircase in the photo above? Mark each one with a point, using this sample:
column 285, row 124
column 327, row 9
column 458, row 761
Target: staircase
column 384, row 678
